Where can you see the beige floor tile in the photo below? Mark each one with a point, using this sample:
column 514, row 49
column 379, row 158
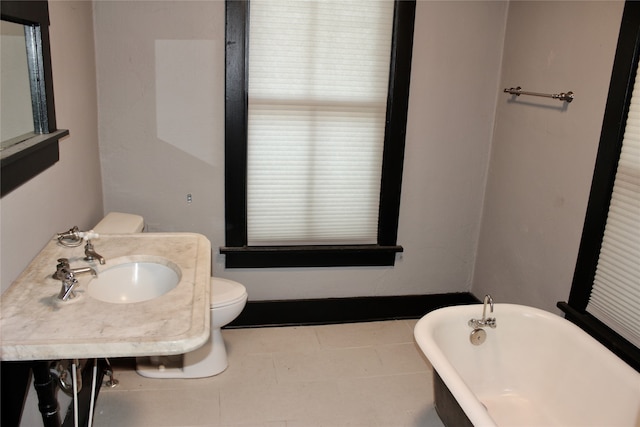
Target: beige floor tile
column 363, row 374
column 425, row 416
column 309, row 401
column 396, row 399
column 266, row 424
column 327, row 364
column 402, row 359
column 364, row 334
column 190, row 406
column 411, row 324
column 252, row 368
column 270, row 340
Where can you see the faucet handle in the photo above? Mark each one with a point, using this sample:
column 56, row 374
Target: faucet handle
column 61, row 268
column 88, row 235
column 70, row 238
column 69, row 283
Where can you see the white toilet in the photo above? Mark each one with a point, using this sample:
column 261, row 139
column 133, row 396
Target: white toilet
column 228, row 299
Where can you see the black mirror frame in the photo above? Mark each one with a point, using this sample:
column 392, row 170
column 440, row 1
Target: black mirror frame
column 29, row 158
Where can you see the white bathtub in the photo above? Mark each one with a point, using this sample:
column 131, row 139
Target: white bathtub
column 534, row 369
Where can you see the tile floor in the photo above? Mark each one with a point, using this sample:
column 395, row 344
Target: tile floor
column 358, row 374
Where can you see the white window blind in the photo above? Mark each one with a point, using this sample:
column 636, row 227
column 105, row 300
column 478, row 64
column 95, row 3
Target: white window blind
column 318, row 82
column 615, row 296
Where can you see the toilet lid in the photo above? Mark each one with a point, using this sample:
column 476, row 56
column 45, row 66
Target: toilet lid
column 225, row 292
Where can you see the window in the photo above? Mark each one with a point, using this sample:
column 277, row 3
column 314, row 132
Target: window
column 605, row 294
column 615, row 295
column 276, row 119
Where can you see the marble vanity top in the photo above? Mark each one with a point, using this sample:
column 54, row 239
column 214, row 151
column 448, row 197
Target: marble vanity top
column 35, row 325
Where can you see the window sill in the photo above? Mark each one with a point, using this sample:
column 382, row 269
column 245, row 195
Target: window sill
column 601, row 332
column 310, row 256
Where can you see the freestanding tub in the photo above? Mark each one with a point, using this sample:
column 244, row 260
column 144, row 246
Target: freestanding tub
column 533, row 369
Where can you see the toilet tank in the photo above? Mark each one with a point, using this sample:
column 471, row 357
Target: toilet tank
column 120, row 223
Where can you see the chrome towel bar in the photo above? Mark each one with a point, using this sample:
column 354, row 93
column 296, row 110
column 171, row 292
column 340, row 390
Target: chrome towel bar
column 568, row 97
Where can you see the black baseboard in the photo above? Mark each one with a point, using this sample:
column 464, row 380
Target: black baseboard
column 344, row 310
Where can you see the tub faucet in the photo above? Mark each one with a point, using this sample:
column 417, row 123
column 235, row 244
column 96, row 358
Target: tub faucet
column 485, row 321
column 487, row 300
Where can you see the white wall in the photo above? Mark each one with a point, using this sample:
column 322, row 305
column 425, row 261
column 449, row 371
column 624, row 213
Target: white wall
column 543, row 154
column 539, row 176
column 70, row 192
column 161, row 66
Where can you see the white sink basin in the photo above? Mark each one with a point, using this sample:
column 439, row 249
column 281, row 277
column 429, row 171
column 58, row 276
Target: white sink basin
column 134, row 282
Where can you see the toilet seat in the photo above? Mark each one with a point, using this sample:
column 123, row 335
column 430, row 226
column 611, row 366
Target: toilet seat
column 226, row 292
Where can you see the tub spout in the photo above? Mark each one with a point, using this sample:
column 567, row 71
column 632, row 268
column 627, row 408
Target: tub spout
column 487, row 300
column 485, row 321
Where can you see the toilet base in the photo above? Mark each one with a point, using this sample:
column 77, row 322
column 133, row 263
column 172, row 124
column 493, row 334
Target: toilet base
column 206, row 361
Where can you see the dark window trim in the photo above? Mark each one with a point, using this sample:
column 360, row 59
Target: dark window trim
column 42, row 150
column 617, row 108
column 238, row 253
column 310, row 256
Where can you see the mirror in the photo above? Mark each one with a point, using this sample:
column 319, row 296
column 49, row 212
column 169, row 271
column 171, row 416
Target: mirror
column 26, row 149
column 16, row 114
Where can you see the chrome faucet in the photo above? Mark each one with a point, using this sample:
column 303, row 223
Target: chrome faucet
column 67, row 275
column 63, row 264
column 91, row 254
column 485, row 321
column 69, row 282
